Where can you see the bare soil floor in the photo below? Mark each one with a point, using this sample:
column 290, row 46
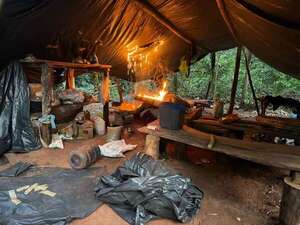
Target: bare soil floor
column 237, row 192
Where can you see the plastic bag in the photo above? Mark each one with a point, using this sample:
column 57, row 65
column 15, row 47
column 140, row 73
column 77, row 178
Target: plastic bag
column 16, row 131
column 143, row 189
column 115, row 148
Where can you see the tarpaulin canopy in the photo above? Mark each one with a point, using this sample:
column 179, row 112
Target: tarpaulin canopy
column 130, row 36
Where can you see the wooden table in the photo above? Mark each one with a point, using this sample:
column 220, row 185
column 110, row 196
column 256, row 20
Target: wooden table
column 282, row 156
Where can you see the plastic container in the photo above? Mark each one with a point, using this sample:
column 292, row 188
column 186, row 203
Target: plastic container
column 99, row 125
column 114, row 133
column 171, row 116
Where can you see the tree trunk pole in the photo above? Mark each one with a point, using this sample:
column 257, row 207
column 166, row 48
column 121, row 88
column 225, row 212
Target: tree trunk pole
column 247, row 63
column 235, row 79
column 212, row 83
column 120, row 89
column 47, row 89
column 105, row 97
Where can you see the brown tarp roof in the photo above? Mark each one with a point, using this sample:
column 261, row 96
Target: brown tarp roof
column 270, row 29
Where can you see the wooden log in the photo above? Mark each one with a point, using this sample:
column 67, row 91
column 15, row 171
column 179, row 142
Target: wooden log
column 70, row 79
column 252, row 127
column 47, row 89
column 235, row 79
column 247, row 60
column 282, row 156
column 105, row 97
column 290, row 202
column 152, row 146
column 46, row 135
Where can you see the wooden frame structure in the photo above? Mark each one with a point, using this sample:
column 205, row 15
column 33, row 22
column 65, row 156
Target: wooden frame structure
column 47, row 67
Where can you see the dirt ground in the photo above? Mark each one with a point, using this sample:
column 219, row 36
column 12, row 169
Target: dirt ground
column 236, row 192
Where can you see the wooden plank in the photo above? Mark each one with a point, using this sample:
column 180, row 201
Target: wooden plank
column 47, row 89
column 59, row 64
column 281, row 156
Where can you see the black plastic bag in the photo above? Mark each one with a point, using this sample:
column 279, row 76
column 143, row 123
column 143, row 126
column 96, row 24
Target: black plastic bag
column 60, row 195
column 16, row 169
column 16, row 131
column 143, row 189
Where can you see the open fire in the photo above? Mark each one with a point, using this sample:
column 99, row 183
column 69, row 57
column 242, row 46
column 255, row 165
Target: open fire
column 159, row 96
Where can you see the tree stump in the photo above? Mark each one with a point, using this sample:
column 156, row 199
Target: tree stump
column 290, row 202
column 152, row 146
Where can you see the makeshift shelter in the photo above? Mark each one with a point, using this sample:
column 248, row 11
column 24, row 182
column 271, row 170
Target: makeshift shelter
column 133, row 39
column 177, row 28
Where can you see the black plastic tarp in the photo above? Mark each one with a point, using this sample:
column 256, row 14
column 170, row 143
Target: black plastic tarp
column 270, row 29
column 59, row 196
column 16, row 131
column 144, row 189
column 16, row 169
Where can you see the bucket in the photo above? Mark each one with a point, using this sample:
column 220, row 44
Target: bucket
column 114, row 133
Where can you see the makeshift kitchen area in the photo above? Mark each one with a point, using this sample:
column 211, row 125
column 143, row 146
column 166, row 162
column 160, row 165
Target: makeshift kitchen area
column 129, row 149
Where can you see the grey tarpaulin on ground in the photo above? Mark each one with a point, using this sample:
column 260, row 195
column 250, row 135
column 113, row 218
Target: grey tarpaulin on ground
column 16, row 169
column 144, row 189
column 16, row 131
column 57, row 196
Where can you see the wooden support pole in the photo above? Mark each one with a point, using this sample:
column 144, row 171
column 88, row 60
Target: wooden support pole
column 235, row 79
column 152, row 146
column 247, row 63
column 120, row 89
column 214, row 76
column 290, row 202
column 70, row 81
column 105, row 97
column 47, row 89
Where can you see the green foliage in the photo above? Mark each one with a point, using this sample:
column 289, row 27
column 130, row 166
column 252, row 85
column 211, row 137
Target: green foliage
column 266, row 80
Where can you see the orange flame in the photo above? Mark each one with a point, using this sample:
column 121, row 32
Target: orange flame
column 160, row 96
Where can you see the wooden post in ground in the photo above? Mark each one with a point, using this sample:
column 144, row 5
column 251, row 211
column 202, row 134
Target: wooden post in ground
column 235, row 79
column 247, row 63
column 46, row 81
column 70, row 81
column 212, row 86
column 105, row 97
column 290, row 202
column 214, row 75
column 152, row 146
column 120, row 89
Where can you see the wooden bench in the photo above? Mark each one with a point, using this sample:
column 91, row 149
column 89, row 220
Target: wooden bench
column 282, row 156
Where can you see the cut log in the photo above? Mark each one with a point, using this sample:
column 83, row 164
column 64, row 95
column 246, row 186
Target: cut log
column 152, row 146
column 290, row 203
